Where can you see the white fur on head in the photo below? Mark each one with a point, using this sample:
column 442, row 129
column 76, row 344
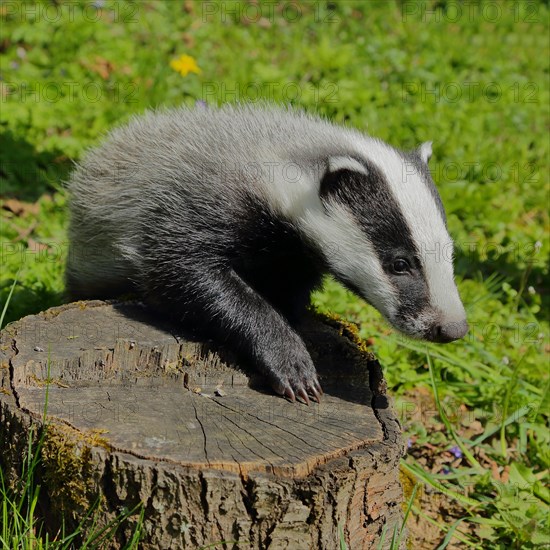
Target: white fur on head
column 350, row 254
column 348, row 249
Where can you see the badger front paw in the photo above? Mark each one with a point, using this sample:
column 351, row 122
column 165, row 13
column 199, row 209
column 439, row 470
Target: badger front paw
column 295, row 376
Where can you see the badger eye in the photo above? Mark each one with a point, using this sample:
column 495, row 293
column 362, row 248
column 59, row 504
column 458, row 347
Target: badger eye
column 401, row 266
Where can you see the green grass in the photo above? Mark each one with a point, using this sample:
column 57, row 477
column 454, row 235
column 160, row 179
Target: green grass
column 22, row 524
column 472, row 77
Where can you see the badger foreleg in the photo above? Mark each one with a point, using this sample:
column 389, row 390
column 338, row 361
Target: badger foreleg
column 219, row 302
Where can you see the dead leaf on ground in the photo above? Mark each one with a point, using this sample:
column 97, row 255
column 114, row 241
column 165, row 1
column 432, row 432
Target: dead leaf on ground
column 36, row 247
column 101, row 66
column 20, row 208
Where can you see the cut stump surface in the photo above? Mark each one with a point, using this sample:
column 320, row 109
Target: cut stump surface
column 137, row 412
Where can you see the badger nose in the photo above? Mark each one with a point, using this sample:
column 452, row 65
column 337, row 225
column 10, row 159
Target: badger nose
column 448, row 332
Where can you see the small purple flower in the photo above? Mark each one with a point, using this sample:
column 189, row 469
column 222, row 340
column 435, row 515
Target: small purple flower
column 456, row 451
column 445, row 471
column 409, row 443
column 201, row 104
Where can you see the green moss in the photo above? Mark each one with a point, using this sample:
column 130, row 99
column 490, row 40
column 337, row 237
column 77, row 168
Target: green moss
column 68, row 468
column 348, row 330
column 408, row 481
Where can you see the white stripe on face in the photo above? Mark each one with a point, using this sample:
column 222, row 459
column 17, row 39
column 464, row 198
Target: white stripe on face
column 426, row 225
column 350, row 254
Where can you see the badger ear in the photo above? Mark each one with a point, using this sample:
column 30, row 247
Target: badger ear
column 338, row 167
column 425, row 151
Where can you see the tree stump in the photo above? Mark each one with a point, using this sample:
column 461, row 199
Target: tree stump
column 137, row 412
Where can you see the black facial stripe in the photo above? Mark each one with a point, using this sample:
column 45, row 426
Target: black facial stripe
column 372, row 204
column 421, row 167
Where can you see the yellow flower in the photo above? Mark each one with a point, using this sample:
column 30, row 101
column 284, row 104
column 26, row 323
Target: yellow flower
column 184, row 65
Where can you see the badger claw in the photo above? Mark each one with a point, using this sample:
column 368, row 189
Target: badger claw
column 304, row 391
column 289, row 394
column 295, row 377
column 315, row 394
column 303, row 395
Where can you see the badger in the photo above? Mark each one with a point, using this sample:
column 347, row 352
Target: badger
column 226, row 219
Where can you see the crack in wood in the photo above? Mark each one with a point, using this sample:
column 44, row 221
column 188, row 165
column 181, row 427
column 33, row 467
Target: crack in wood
column 239, row 462
column 274, row 426
column 202, row 428
column 12, row 372
column 261, row 457
column 341, row 434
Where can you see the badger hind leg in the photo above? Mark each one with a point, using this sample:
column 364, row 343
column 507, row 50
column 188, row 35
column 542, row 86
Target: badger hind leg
column 95, row 275
column 79, row 288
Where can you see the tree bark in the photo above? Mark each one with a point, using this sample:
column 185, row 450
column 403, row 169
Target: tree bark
column 138, row 412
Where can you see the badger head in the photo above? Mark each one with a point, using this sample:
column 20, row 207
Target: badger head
column 384, row 230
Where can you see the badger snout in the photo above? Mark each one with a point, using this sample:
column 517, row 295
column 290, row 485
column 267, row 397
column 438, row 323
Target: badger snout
column 444, row 333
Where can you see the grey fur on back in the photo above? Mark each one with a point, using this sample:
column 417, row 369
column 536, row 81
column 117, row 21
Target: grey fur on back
column 195, row 154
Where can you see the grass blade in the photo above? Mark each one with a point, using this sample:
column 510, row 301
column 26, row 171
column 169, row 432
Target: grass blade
column 5, row 308
column 465, row 451
column 418, row 472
